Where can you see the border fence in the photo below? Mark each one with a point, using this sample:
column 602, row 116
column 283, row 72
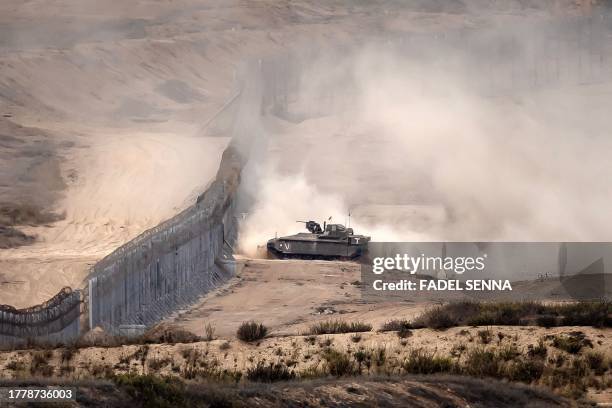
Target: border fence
column 56, row 320
column 170, row 266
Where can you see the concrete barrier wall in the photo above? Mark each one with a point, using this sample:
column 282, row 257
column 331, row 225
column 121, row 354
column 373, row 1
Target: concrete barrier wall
column 55, row 321
column 170, row 266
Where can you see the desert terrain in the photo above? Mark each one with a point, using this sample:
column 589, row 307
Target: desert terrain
column 108, row 127
column 94, row 97
column 294, row 294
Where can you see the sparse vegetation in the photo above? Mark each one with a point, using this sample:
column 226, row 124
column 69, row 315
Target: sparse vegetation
column 153, row 391
column 268, row 373
column 156, row 364
column 39, row 365
column 596, row 314
column 209, row 329
column 420, row 361
column 251, row 331
column 101, row 371
column 141, row 354
column 571, row 343
column 401, row 326
column 524, row 370
column 485, row 336
column 596, row 362
column 338, row 326
column 339, row 364
column 481, row 362
column 68, row 353
column 165, row 333
column 547, row 321
column 561, row 361
column 538, row 350
column 16, row 365
column 326, row 342
column 569, row 370
column 404, row 332
column 438, row 318
column 310, row 340
column 396, row 325
column 509, row 352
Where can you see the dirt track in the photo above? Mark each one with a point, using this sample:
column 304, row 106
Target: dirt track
column 288, row 296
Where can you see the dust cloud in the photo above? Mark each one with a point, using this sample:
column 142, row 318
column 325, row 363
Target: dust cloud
column 494, row 134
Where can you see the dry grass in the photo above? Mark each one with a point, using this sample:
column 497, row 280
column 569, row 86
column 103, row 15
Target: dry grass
column 268, row 373
column 420, row 361
column 596, row 314
column 572, row 342
column 364, row 391
column 339, row 326
column 39, row 365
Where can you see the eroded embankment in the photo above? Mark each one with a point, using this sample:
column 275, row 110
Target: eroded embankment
column 407, row 391
column 570, row 360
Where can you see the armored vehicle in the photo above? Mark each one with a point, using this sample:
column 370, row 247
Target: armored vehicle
column 333, row 241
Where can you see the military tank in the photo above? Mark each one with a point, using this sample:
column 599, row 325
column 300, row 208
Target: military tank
column 333, row 241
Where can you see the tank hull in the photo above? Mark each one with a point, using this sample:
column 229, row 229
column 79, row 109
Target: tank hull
column 310, row 247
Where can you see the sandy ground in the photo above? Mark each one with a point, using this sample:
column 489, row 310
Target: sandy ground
column 288, row 296
column 104, row 207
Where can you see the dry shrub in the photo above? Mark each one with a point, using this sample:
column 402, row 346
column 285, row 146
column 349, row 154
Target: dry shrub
column 153, row 391
column 420, row 361
column 338, row 364
column 16, row 366
column 68, row 353
column 268, row 373
column 596, row 362
column 209, row 329
column 485, row 336
column 368, row 358
column 39, row 365
column 584, row 313
column 438, row 318
column 156, row 364
column 481, row 363
column 251, row 331
column 165, row 333
column 571, row 343
column 396, row 325
column 525, row 370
